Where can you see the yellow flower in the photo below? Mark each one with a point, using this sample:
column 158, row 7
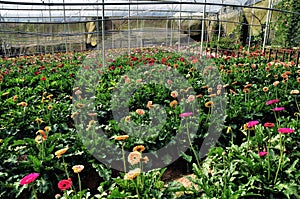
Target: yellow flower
column 228, row 129
column 77, row 168
column 49, row 96
column 47, row 129
column 127, row 118
column 39, row 120
column 265, row 89
column 134, row 157
column 121, row 137
column 38, row 139
column 139, row 148
column 43, row 99
column 132, row 174
column 6, row 93
column 50, row 107
column 61, row 152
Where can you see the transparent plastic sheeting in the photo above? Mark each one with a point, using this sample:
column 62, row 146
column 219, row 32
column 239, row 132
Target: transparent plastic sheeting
column 57, row 13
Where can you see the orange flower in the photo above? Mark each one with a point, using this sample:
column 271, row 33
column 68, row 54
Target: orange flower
column 42, row 133
column 132, row 174
column 173, row 103
column 149, row 104
column 79, row 105
column 246, row 90
column 209, row 104
column 134, row 157
column 15, row 98
column 298, row 79
column 61, row 152
column 276, row 83
column 140, row 111
column 295, row 92
column 74, row 114
column 174, row 94
column 24, row 104
column 145, row 159
column 199, row 96
column 139, row 148
column 121, row 137
column 191, row 98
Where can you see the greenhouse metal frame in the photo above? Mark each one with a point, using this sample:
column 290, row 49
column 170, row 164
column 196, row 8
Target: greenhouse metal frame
column 48, row 26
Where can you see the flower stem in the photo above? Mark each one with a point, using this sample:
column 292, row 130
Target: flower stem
column 268, row 150
column 79, row 182
column 280, row 159
column 65, row 166
column 194, row 151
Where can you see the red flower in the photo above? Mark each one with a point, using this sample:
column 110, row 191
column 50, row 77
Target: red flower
column 285, row 130
column 64, row 184
column 164, row 60
column 43, row 78
column 37, row 72
column 269, row 125
column 29, row 178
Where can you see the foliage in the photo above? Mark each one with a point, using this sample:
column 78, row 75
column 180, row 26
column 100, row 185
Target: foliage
column 287, row 26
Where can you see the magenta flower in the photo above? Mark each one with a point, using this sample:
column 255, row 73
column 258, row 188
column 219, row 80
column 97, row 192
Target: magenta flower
column 252, row 123
column 262, row 153
column 186, row 114
column 29, row 178
column 285, row 130
column 272, row 101
column 278, row 109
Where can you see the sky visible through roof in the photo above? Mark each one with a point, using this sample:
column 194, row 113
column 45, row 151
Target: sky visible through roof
column 42, row 12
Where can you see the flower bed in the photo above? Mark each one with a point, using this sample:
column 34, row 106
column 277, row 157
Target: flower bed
column 49, row 125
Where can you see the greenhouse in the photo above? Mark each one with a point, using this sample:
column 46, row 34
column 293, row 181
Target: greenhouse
column 149, row 99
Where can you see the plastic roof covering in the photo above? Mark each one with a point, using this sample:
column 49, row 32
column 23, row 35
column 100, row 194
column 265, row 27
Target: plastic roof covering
column 45, row 13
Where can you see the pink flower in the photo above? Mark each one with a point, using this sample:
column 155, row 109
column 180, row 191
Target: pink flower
column 29, row 178
column 252, row 123
column 262, row 153
column 64, row 184
column 285, row 130
column 269, row 125
column 272, row 101
column 186, row 114
column 278, row 109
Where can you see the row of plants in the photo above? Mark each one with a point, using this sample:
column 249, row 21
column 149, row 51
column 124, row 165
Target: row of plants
column 108, row 122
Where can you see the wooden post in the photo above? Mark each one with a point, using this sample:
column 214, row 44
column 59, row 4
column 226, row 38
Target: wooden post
column 297, row 59
column 276, row 54
column 283, row 54
column 270, row 53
